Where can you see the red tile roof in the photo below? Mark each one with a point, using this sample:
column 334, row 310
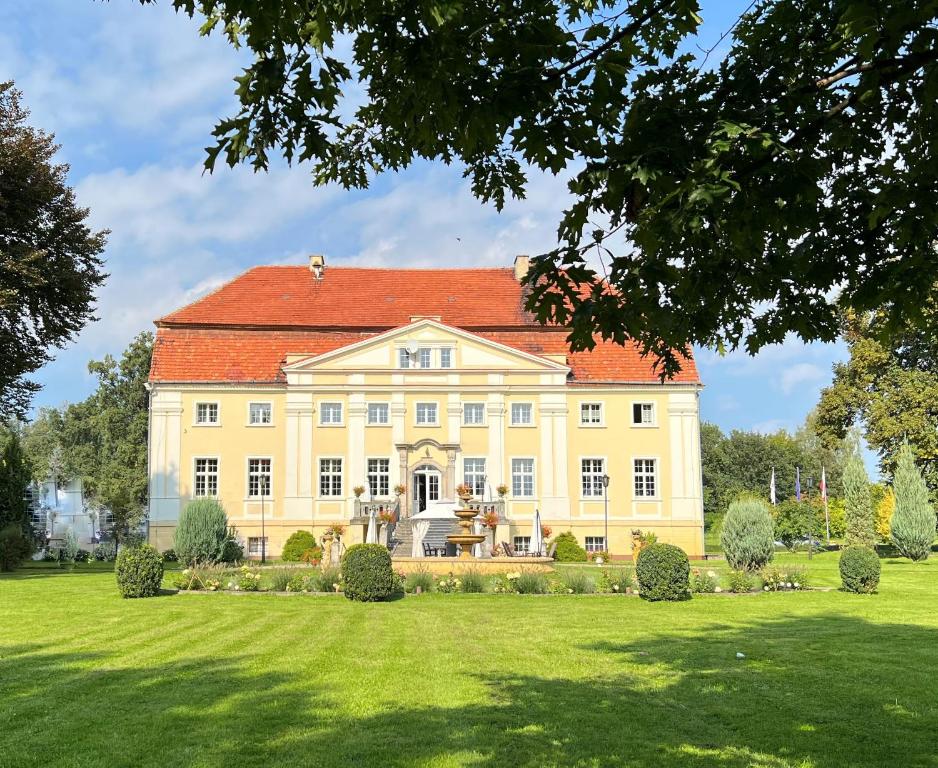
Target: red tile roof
column 243, row 331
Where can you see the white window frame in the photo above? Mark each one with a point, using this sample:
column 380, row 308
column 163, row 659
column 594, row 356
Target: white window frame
column 594, row 474
column 270, row 409
column 602, row 414
column 511, row 415
column 195, row 414
column 436, row 413
column 478, row 403
column 403, row 356
column 643, row 424
column 655, row 476
column 475, row 474
column 378, row 475
column 521, row 544
column 330, row 473
column 322, row 413
column 387, row 413
column 247, row 477
column 256, row 551
column 424, row 352
column 511, row 466
column 595, row 546
column 208, row 474
column 449, row 351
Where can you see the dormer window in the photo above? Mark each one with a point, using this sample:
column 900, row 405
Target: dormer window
column 424, row 357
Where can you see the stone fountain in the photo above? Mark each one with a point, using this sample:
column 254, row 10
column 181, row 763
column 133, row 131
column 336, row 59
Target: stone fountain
column 466, row 538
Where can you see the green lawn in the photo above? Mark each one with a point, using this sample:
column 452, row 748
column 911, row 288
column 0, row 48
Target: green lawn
column 829, row 679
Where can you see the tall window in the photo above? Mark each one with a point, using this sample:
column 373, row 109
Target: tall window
column 522, row 414
column 330, row 413
column 646, row 477
column 403, row 358
column 473, row 413
column 591, row 414
column 592, row 471
column 522, row 477
column 424, row 357
column 446, row 358
column 595, row 543
column 473, row 471
column 206, row 413
column 330, row 477
column 258, row 477
column 206, row 477
column 426, row 413
column 379, row 477
column 259, row 413
column 377, row 413
column 643, row 414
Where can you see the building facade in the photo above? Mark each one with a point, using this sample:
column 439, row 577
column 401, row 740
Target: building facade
column 291, row 388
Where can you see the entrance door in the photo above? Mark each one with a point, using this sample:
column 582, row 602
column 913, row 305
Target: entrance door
column 426, row 486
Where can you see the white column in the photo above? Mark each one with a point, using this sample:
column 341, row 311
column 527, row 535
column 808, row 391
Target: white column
column 552, row 415
column 298, row 465
column 357, row 410
column 398, row 414
column 684, row 439
column 165, row 449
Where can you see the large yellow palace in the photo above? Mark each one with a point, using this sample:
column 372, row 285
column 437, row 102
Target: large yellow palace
column 289, row 387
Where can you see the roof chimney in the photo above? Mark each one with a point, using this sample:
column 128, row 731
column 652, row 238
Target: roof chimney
column 522, row 265
column 317, row 265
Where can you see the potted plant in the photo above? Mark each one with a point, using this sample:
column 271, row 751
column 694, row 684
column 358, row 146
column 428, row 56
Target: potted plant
column 399, row 489
column 489, row 520
column 464, row 492
column 337, row 530
column 546, row 532
column 386, row 516
column 502, row 491
column 358, row 490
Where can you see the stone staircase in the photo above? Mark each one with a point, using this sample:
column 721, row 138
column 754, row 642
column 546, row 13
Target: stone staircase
column 402, row 537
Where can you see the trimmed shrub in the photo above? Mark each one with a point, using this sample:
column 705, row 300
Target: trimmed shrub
column 139, row 571
column 568, row 549
column 14, row 547
column 747, row 535
column 367, row 572
column 860, row 528
column 202, row 532
column 232, row 551
column 298, row 543
column 663, row 573
column 859, row 569
column 913, row 523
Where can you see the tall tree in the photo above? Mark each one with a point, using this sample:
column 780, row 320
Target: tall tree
column 889, row 385
column 732, row 201
column 49, row 265
column 14, row 478
column 859, row 504
column 913, row 521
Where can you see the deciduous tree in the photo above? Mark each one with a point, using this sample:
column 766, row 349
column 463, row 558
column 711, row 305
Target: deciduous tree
column 729, row 202
column 49, row 258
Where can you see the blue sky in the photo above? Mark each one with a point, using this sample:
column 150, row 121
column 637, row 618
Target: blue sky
column 132, row 93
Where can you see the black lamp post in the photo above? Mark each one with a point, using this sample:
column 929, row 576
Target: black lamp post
column 606, row 511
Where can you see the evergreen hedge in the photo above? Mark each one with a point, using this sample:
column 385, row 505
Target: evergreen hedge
column 912, row 528
column 367, row 573
column 859, row 569
column 568, row 549
column 139, row 571
column 747, row 536
column 14, row 546
column 298, row 543
column 663, row 573
column 202, row 532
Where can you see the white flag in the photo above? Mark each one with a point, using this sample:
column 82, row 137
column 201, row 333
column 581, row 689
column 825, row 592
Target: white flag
column 772, row 487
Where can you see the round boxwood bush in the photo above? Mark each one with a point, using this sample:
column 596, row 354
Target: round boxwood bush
column 859, row 569
column 663, row 573
column 139, row 571
column 367, row 572
column 296, row 545
column 747, row 535
column 202, row 532
column 568, row 549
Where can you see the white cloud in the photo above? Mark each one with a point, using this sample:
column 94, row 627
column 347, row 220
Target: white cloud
column 801, row 374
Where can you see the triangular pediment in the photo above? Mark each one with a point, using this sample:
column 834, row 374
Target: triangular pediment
column 470, row 352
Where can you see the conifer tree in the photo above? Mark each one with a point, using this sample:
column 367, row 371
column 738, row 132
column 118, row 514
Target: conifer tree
column 913, row 522
column 859, row 511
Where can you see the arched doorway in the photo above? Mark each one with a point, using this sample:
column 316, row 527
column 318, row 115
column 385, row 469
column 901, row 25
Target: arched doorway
column 426, row 484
